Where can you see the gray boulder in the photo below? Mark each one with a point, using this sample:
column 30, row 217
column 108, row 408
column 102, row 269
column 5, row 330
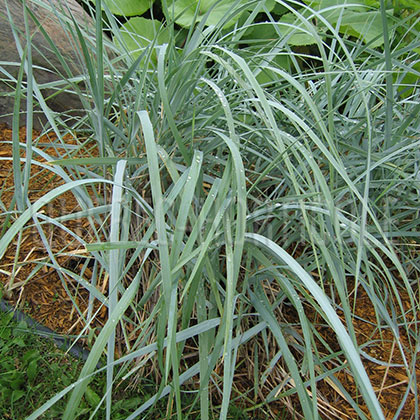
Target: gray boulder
column 53, row 18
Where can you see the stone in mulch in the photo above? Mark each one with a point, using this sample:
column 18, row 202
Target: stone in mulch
column 51, row 20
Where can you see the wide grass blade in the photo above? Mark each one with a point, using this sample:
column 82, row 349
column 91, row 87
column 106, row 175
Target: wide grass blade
column 330, row 316
column 98, row 348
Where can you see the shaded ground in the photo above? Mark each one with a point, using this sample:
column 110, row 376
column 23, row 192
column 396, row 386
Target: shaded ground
column 42, row 293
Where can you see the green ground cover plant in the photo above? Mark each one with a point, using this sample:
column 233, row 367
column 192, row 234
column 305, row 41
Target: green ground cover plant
column 33, row 369
column 229, row 188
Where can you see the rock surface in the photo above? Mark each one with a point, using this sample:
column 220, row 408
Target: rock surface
column 46, row 65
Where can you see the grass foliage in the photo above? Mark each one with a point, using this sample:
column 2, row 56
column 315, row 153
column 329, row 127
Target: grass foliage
column 225, row 189
column 33, row 369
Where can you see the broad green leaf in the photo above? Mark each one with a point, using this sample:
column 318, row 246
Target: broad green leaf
column 365, row 25
column 31, row 355
column 407, row 84
column 323, row 4
column 128, row 7
column 139, row 32
column 265, row 30
column 92, row 397
column 186, row 13
column 331, row 10
column 355, row 20
column 32, row 370
column 279, row 9
column 291, row 27
column 17, row 395
column 280, row 61
column 268, row 4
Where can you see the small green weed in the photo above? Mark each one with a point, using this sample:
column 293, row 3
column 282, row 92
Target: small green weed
column 32, row 370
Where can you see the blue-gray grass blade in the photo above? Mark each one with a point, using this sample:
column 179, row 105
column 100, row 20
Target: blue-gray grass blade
column 98, row 348
column 330, row 316
column 114, row 270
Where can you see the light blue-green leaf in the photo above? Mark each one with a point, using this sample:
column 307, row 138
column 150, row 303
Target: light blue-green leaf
column 98, row 348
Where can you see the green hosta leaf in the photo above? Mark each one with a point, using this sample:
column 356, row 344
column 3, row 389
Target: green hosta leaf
column 185, row 11
column 139, row 32
column 365, row 25
column 280, row 10
column 411, row 79
column 269, row 5
column 323, row 4
column 268, row 76
column 128, row 7
column 336, row 9
column 264, row 31
column 356, row 20
column 295, row 30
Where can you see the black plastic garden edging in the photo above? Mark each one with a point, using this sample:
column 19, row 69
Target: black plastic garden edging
column 62, row 342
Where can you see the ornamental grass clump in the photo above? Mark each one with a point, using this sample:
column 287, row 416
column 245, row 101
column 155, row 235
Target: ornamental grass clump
column 228, row 193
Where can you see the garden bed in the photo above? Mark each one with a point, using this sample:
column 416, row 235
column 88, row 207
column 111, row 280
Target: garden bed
column 43, row 296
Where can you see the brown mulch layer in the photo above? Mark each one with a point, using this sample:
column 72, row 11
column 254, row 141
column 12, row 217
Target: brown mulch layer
column 390, row 380
column 42, row 293
column 390, row 383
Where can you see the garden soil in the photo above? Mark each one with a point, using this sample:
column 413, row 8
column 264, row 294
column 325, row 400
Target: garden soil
column 42, row 294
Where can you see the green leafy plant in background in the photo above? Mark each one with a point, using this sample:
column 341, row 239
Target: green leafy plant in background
column 32, row 370
column 139, row 33
column 128, row 7
column 187, row 13
column 360, row 18
column 13, row 379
